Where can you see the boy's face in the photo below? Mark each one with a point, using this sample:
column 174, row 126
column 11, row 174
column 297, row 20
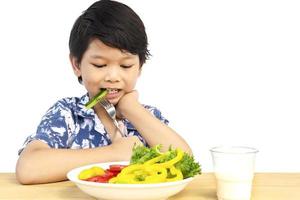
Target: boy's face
column 106, row 67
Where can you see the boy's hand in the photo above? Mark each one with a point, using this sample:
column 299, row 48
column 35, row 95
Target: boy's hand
column 127, row 101
column 123, row 146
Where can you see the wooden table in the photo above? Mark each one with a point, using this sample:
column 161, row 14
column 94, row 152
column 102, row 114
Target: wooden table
column 266, row 186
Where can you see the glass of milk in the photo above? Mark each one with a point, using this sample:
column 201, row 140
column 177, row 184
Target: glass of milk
column 234, row 171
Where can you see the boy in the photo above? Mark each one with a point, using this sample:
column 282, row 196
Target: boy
column 108, row 46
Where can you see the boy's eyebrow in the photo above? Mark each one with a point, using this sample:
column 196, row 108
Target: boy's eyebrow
column 97, row 56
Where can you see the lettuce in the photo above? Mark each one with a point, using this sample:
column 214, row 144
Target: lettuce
column 141, row 154
column 187, row 165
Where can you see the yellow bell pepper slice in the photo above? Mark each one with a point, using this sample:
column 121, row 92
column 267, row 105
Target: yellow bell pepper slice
column 175, row 172
column 131, row 168
column 98, row 171
column 156, row 159
column 91, row 172
column 168, row 163
column 149, row 173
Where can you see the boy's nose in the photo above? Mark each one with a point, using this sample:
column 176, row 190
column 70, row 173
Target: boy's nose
column 112, row 74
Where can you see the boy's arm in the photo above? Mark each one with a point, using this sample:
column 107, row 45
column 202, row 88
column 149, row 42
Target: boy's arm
column 38, row 163
column 152, row 129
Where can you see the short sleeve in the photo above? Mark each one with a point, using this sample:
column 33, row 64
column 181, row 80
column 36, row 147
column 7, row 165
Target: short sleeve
column 53, row 128
column 157, row 113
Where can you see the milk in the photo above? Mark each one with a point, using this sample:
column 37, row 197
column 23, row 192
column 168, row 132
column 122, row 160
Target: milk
column 232, row 188
column 234, row 170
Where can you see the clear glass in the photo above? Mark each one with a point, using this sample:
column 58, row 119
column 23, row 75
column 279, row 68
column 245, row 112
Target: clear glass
column 234, row 170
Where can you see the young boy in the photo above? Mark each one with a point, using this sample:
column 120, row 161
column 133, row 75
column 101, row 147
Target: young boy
column 108, row 46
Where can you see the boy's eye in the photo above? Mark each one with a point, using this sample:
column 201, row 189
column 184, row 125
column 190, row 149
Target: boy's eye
column 99, row 66
column 126, row 66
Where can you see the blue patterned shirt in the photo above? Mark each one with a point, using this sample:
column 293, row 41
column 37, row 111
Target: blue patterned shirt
column 69, row 125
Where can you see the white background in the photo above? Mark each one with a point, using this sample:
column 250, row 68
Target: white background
column 222, row 72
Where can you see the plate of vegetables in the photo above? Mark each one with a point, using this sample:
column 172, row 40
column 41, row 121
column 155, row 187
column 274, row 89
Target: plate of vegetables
column 149, row 175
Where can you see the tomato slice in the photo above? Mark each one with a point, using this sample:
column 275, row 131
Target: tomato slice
column 113, row 171
column 116, row 168
column 99, row 179
column 108, row 174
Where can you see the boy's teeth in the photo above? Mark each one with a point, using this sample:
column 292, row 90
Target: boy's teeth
column 112, row 90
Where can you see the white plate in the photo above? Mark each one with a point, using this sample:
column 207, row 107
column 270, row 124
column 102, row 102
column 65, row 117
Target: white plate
column 110, row 191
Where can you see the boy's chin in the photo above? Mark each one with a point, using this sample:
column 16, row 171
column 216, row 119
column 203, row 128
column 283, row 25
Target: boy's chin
column 113, row 101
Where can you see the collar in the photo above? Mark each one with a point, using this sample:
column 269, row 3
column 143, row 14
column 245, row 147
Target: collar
column 81, row 109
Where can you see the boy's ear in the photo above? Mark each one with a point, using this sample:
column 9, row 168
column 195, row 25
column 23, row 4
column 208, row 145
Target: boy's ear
column 75, row 65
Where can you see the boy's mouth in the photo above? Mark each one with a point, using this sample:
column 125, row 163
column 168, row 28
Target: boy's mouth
column 111, row 91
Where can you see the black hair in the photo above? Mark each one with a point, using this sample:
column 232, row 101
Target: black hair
column 113, row 23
